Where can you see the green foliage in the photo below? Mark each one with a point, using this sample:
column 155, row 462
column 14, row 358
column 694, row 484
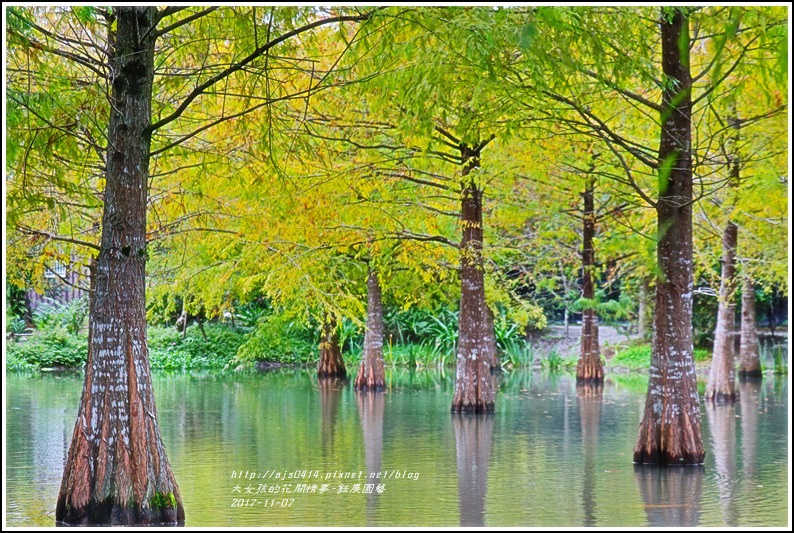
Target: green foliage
column 53, row 347
column 279, row 337
column 638, row 357
column 553, row 361
column 169, row 351
column 72, row 316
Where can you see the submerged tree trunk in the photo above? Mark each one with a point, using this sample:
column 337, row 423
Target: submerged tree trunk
column 370, row 373
column 473, row 391
column 332, row 366
column 720, row 386
column 589, row 367
column 117, row 471
column 750, row 362
column 670, row 430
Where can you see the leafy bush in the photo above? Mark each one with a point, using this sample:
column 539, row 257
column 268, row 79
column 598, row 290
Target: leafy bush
column 48, row 348
column 169, row 351
column 71, row 316
column 278, row 338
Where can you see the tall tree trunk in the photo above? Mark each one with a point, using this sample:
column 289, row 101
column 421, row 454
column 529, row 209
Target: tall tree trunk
column 750, row 362
column 589, row 367
column 370, row 373
column 670, row 430
column 332, row 366
column 117, row 471
column 473, row 391
column 720, row 387
column 645, row 311
column 473, row 437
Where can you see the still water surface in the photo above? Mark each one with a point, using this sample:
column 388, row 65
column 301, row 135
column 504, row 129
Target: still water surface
column 550, row 456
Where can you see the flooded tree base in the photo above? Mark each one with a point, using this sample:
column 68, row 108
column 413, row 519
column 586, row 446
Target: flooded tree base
column 720, row 397
column 750, row 375
column 677, row 443
column 478, row 408
column 162, row 509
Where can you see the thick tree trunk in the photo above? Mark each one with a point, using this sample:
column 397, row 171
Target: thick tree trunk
column 473, row 437
column 645, row 311
column 370, row 373
column 332, row 366
column 589, row 367
column 750, row 362
column 117, row 471
column 720, row 387
column 670, row 430
column 473, row 391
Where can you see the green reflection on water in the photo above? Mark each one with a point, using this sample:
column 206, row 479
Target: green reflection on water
column 552, row 455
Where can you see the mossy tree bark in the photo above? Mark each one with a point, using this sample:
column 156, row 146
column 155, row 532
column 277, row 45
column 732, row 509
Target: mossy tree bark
column 670, row 431
column 473, row 390
column 589, row 367
column 370, row 373
column 117, row 471
column 331, row 366
column 750, row 362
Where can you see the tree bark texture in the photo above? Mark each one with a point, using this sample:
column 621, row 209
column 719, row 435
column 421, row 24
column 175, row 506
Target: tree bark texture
column 473, row 390
column 332, row 366
column 589, row 367
column 720, row 387
column 670, row 432
column 117, row 471
column 370, row 373
column 645, row 311
column 473, row 437
column 750, row 362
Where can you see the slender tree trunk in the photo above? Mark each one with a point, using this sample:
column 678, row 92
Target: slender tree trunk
column 117, row 471
column 720, row 386
column 473, row 391
column 750, row 362
column 645, row 312
column 370, row 373
column 332, row 366
column 589, row 367
column 670, row 430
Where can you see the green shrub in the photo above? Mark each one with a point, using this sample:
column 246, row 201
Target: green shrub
column 71, row 316
column 49, row 348
column 169, row 351
column 278, row 338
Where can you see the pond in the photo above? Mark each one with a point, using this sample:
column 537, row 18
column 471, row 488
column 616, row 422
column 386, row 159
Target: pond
column 550, row 456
